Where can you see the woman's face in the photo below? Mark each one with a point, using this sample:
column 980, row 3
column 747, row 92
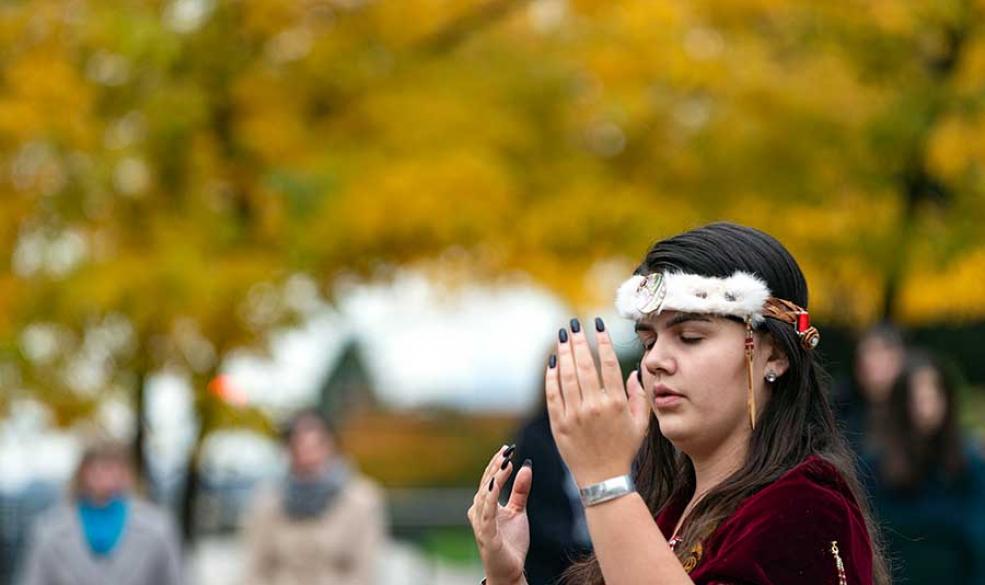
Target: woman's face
column 877, row 364
column 311, row 448
column 928, row 405
column 694, row 372
column 103, row 479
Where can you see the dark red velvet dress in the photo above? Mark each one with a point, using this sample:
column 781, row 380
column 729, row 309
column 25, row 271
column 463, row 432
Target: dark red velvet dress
column 803, row 529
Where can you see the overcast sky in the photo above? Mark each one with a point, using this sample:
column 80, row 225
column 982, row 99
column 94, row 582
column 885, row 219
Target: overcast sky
column 473, row 348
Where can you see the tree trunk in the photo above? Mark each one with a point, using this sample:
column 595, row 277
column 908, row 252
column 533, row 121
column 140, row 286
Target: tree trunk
column 917, row 185
column 205, row 407
column 140, row 434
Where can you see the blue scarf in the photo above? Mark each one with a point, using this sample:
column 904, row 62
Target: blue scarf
column 309, row 497
column 103, row 525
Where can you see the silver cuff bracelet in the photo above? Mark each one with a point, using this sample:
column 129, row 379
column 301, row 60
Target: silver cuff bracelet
column 609, row 489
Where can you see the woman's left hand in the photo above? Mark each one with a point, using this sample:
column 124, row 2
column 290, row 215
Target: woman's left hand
column 597, row 423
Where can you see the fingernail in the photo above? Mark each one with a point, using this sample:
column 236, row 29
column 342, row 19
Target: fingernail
column 509, row 451
column 505, row 463
column 562, row 335
column 575, row 326
column 599, row 325
column 639, row 376
column 491, row 480
column 528, row 463
column 552, row 362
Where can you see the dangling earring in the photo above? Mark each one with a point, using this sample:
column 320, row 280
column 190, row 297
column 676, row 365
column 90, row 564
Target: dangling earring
column 751, row 397
column 771, row 376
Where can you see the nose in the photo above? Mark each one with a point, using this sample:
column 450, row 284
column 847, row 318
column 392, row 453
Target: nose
column 659, row 360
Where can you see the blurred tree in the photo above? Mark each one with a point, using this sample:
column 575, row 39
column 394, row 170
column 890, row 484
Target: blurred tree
column 174, row 168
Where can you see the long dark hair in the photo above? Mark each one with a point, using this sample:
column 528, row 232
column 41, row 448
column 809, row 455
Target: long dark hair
column 795, row 423
column 910, row 457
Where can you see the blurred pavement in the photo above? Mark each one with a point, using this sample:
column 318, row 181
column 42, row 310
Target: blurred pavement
column 217, row 561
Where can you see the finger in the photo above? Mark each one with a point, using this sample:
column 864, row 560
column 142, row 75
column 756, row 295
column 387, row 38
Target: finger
column 491, row 504
column 588, row 377
column 570, row 391
column 501, row 462
column 521, row 487
column 490, row 466
column 609, row 362
column 494, row 463
column 639, row 402
column 552, row 389
column 478, row 499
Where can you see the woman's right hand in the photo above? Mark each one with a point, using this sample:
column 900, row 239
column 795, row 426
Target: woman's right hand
column 502, row 532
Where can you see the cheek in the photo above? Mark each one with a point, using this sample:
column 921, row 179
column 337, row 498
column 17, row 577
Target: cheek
column 718, row 375
column 928, row 410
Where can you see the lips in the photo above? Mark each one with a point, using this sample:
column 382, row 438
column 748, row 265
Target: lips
column 664, row 397
column 660, row 390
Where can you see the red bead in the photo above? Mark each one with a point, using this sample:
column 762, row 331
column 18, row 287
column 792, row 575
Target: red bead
column 803, row 322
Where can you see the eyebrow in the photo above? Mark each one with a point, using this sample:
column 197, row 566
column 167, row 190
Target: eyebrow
column 677, row 320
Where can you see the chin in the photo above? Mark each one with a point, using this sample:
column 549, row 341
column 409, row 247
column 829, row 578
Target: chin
column 675, row 429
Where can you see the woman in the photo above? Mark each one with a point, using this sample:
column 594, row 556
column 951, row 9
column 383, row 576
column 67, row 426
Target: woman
column 929, row 484
column 325, row 524
column 861, row 402
column 740, row 474
column 105, row 534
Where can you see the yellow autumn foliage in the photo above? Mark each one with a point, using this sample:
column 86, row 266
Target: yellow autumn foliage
column 176, row 162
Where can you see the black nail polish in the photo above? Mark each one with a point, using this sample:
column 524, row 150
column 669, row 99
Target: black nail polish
column 528, row 463
column 509, row 451
column 575, row 326
column 562, row 335
column 505, row 463
column 552, row 362
column 491, row 480
column 599, row 325
column 639, row 376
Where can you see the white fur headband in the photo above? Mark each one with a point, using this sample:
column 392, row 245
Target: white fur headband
column 740, row 295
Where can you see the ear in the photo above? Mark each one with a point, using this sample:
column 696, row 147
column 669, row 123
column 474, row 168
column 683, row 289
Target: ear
column 776, row 359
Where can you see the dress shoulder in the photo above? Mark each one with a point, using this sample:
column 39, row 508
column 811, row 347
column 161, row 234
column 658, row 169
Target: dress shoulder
column 806, row 527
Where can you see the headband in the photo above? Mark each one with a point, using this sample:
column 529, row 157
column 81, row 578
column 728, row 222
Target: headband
column 741, row 295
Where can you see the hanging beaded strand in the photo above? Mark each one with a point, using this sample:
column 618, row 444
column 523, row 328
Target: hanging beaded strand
column 751, row 399
column 842, row 579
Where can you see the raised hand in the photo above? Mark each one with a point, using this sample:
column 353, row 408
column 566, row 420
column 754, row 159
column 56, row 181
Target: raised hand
column 502, row 532
column 598, row 423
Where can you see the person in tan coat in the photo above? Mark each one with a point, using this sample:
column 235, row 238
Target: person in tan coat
column 324, row 525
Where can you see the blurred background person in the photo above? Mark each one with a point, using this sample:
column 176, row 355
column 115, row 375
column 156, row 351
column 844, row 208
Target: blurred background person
column 324, row 525
column 928, row 482
column 105, row 534
column 558, row 530
column 861, row 401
